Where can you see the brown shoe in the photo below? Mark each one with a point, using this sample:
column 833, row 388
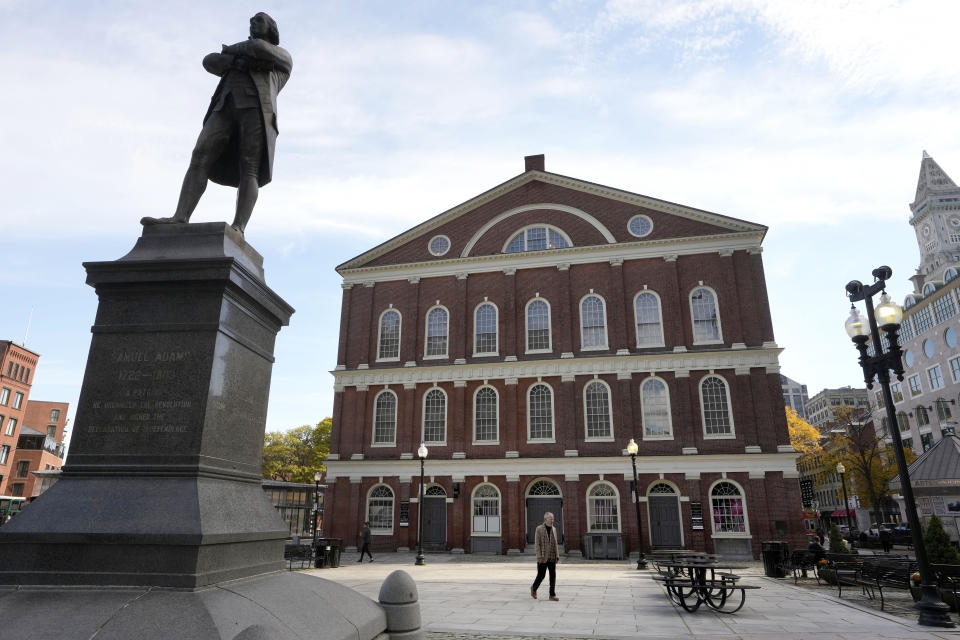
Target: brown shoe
column 555, row 598
column 533, row 594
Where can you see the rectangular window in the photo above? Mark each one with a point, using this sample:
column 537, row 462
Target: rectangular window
column 880, row 402
column 23, row 468
column 936, row 378
column 897, row 390
column 923, row 320
column 944, row 308
column 16, row 489
column 906, row 331
column 4, row 453
column 4, row 396
column 908, row 443
column 54, row 415
column 17, row 400
column 11, row 427
column 955, row 369
column 915, row 388
column 52, row 431
column 926, row 441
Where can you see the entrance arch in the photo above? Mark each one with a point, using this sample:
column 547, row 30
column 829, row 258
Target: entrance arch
column 663, row 512
column 544, row 495
column 435, row 518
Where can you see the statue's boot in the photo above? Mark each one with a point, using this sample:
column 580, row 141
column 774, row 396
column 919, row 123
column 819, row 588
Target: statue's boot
column 148, row 220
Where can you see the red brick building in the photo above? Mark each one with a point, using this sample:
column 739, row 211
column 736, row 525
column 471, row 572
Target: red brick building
column 39, row 446
column 526, row 336
column 17, row 368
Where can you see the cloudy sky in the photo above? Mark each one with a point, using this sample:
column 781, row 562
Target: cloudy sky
column 807, row 117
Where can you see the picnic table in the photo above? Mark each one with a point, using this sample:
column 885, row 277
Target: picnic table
column 698, row 580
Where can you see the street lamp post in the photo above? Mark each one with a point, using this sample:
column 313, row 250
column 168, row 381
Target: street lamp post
column 422, row 454
column 846, row 503
column 933, row 611
column 632, row 449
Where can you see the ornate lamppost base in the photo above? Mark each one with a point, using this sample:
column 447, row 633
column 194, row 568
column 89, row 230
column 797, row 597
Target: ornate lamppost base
column 933, row 611
column 419, row 562
column 641, row 562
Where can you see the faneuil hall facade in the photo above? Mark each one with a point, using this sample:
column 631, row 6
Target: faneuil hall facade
column 525, row 336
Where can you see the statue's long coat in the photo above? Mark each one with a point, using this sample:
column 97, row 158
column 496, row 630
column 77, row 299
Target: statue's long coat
column 226, row 168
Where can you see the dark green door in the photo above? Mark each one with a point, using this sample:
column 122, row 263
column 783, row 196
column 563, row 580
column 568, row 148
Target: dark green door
column 664, row 521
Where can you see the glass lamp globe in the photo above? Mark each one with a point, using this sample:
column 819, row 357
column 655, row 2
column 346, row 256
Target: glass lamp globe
column 632, row 447
column 888, row 312
column 840, row 467
column 856, row 325
column 422, row 451
column 316, row 477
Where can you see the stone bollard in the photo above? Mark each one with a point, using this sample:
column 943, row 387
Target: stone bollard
column 400, row 601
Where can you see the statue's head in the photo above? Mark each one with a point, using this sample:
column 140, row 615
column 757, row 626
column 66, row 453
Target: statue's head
column 264, row 27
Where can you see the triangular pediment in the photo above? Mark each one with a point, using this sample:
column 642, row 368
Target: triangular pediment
column 601, row 214
column 933, row 181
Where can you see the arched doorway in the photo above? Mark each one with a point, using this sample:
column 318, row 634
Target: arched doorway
column 435, row 518
column 543, row 496
column 663, row 510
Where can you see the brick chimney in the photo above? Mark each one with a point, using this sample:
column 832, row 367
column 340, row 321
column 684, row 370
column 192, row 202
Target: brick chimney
column 534, row 163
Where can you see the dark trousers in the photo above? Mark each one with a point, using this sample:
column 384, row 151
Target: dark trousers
column 542, row 568
column 365, row 549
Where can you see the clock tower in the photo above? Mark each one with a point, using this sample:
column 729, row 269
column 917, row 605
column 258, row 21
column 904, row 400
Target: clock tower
column 936, row 221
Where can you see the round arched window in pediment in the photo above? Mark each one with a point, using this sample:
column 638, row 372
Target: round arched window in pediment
column 439, row 245
column 537, row 238
column 640, row 226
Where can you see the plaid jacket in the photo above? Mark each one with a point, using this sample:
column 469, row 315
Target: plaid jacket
column 546, row 544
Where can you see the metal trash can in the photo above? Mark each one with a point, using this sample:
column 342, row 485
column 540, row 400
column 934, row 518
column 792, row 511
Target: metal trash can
column 774, row 555
column 333, row 547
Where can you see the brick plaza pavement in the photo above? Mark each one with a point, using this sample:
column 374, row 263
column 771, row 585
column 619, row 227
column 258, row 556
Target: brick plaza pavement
column 488, row 598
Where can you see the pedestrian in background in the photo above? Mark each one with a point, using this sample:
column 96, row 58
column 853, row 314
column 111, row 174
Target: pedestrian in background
column 365, row 537
column 548, row 552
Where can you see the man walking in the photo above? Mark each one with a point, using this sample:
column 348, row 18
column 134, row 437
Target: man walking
column 365, row 538
column 548, row 552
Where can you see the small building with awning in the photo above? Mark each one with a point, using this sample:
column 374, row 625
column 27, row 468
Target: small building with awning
column 935, row 478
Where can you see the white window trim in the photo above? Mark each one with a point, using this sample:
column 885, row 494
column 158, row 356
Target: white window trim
column 943, row 382
column 746, row 515
column 659, row 312
column 496, row 351
column 703, row 413
column 616, row 495
column 473, row 496
column 426, row 334
column 526, row 326
column 955, row 379
column 396, row 415
column 606, row 323
column 523, row 230
column 920, row 380
column 399, row 335
column 553, row 415
column 430, row 245
column 423, row 418
column 583, row 397
column 643, row 432
column 716, row 303
column 393, row 509
column 482, row 443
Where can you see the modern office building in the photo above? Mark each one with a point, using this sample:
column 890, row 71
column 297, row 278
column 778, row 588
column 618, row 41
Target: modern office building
column 794, row 395
column 525, row 336
column 820, row 408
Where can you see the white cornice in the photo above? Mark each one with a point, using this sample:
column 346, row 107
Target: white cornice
column 613, row 465
column 742, row 359
column 654, row 204
column 551, row 257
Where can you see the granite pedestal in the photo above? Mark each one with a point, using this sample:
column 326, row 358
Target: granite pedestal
column 161, row 488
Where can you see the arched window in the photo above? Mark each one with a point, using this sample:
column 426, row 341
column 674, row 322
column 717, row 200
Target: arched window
column 929, row 288
column 540, row 413
column 538, row 326
column 596, row 411
column 729, row 515
column 435, row 417
column 593, row 323
column 388, row 342
column 903, row 421
column 385, row 418
column 715, row 407
column 486, row 510
column 437, row 332
column 923, row 419
column 646, row 311
column 602, row 508
column 543, row 488
column 537, row 238
column 949, row 274
column 380, row 510
column 436, row 491
column 655, row 405
column 485, row 329
column 706, row 317
column 909, row 301
column 486, row 416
